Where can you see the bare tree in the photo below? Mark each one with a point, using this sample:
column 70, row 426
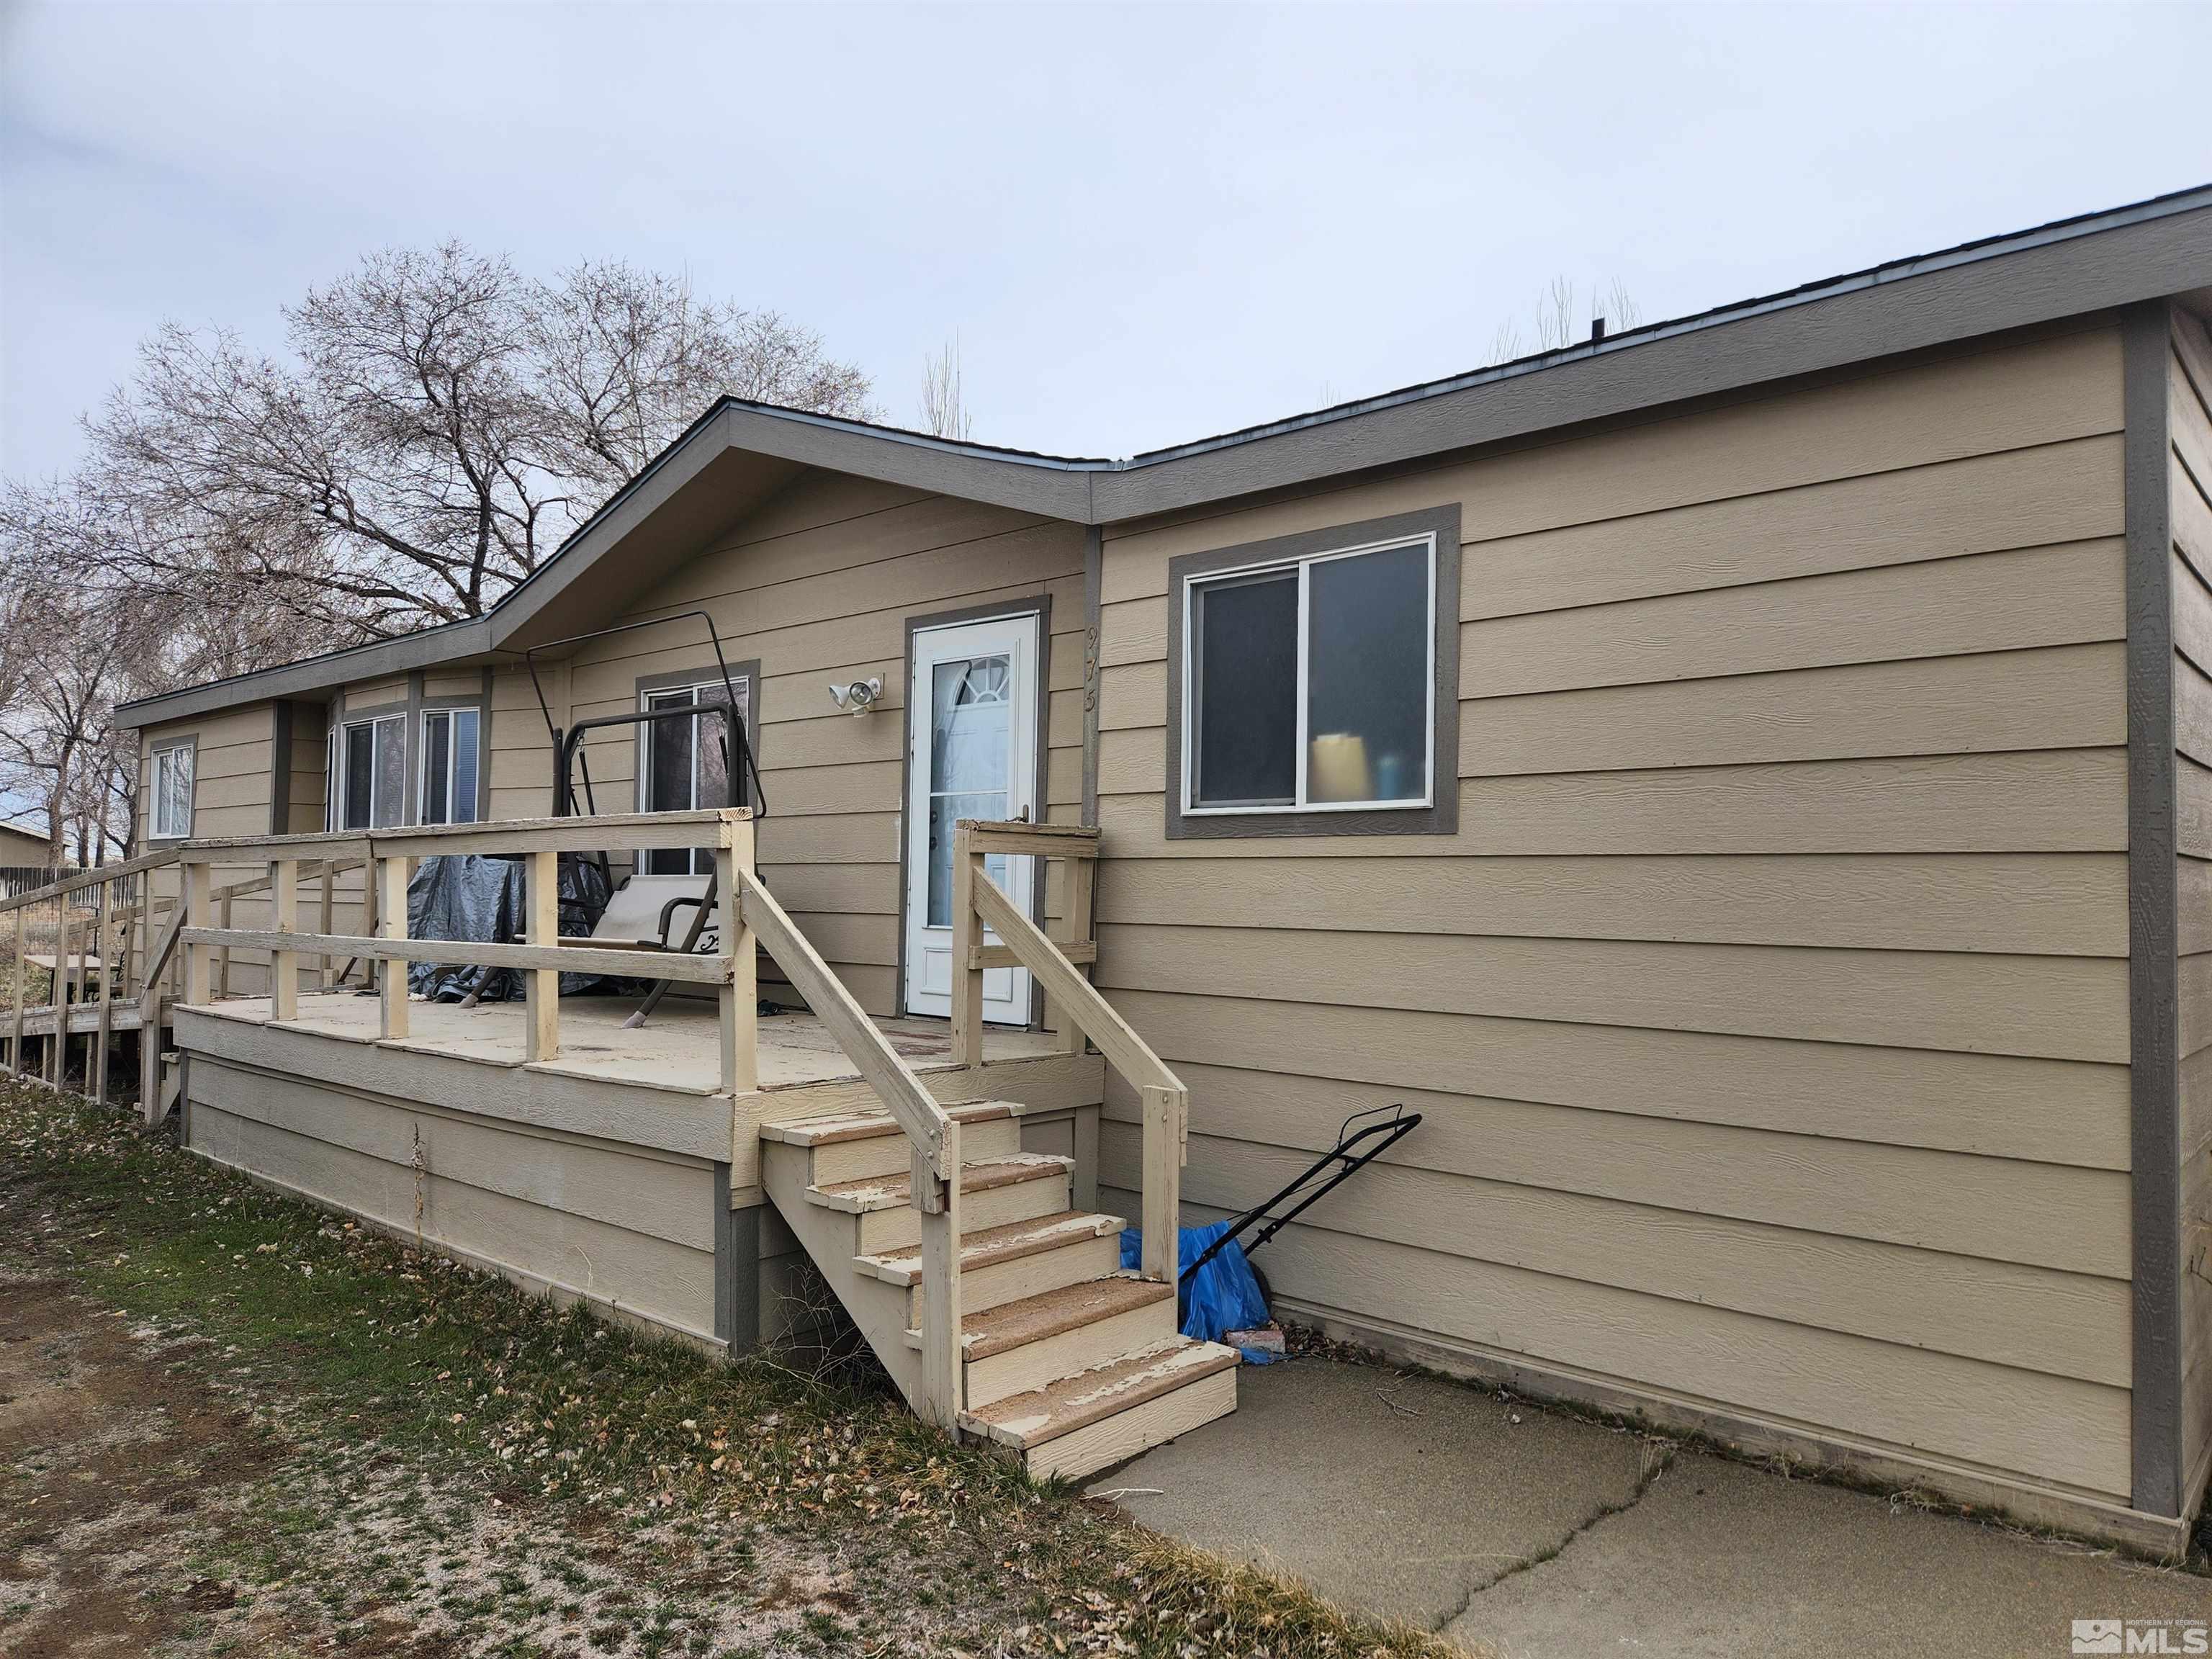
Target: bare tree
column 442, row 422
column 1564, row 316
column 438, row 425
column 57, row 740
column 944, row 405
column 625, row 358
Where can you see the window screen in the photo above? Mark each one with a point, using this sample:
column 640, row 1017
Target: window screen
column 1245, row 641
column 449, row 766
column 437, row 766
column 375, row 773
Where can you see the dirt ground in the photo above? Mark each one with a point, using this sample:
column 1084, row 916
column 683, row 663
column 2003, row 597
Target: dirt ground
column 121, row 1470
column 150, row 1510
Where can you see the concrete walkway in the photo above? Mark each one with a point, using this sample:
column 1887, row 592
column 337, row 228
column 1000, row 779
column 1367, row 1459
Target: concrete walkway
column 1511, row 1530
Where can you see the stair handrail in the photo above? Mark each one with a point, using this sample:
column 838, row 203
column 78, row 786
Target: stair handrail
column 912, row 1106
column 978, row 901
column 932, row 1133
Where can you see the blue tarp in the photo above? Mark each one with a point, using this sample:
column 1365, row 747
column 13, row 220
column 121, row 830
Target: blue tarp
column 1221, row 1297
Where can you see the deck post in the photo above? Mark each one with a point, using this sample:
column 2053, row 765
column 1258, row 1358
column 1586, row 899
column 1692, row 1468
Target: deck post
column 739, row 991
column 96, row 1059
column 57, row 994
column 284, row 918
column 941, row 1357
column 330, row 915
column 541, row 987
column 22, row 990
column 125, row 936
column 391, row 923
column 87, row 942
column 1076, row 902
column 199, row 878
column 1162, row 1177
column 967, row 935
column 149, row 1053
column 222, row 956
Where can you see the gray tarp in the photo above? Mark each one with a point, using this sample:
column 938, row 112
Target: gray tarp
column 469, row 897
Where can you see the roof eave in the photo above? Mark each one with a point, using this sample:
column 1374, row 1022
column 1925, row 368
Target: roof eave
column 2097, row 263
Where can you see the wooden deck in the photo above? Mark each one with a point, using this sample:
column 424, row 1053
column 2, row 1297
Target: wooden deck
column 649, row 1085
column 677, row 1049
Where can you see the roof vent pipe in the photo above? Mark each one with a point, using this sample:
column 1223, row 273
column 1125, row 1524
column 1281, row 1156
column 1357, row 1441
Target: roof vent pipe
column 1597, row 329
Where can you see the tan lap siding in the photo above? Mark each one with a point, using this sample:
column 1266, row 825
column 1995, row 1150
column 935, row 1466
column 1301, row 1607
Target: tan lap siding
column 819, row 585
column 621, row 1224
column 2189, row 479
column 1769, row 1010
column 234, row 767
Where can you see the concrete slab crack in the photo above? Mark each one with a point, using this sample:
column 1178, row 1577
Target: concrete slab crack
column 1657, row 1455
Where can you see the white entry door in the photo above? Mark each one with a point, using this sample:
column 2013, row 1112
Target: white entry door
column 972, row 747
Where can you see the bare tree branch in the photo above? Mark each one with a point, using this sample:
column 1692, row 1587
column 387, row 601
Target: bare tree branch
column 944, row 406
column 438, row 424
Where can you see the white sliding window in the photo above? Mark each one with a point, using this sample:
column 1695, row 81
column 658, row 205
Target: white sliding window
column 1310, row 684
column 683, row 765
column 368, row 773
column 172, row 801
column 449, row 767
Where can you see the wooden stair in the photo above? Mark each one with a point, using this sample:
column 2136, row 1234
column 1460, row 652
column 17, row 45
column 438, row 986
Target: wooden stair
column 1067, row 1363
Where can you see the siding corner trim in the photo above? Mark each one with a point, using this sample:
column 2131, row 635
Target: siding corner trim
column 2157, row 1455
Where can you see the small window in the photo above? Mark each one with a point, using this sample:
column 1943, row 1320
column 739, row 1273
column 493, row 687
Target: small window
column 172, row 792
column 684, row 764
column 449, row 766
column 368, row 773
column 1310, row 684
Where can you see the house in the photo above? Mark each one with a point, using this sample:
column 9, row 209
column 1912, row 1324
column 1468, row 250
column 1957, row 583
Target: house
column 1746, row 780
column 21, row 848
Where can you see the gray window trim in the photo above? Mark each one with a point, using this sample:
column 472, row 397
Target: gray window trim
column 162, row 746
column 411, row 712
column 1441, row 815
column 280, row 768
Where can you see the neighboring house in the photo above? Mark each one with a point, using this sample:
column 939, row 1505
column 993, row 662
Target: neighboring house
column 1748, row 781
column 21, row 848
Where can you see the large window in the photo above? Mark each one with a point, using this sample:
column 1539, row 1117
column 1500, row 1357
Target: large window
column 449, row 767
column 683, row 764
column 171, row 808
column 1310, row 684
column 368, row 773
column 1313, row 682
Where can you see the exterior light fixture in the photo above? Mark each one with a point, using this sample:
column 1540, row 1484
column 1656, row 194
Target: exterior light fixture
column 860, row 695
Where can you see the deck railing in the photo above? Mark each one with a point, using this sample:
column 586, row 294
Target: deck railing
column 200, row 928
column 979, row 902
column 91, row 935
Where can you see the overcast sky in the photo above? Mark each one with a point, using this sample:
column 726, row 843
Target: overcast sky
column 1145, row 224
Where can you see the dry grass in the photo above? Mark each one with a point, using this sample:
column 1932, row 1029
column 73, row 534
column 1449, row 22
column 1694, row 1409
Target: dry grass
column 430, row 1463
